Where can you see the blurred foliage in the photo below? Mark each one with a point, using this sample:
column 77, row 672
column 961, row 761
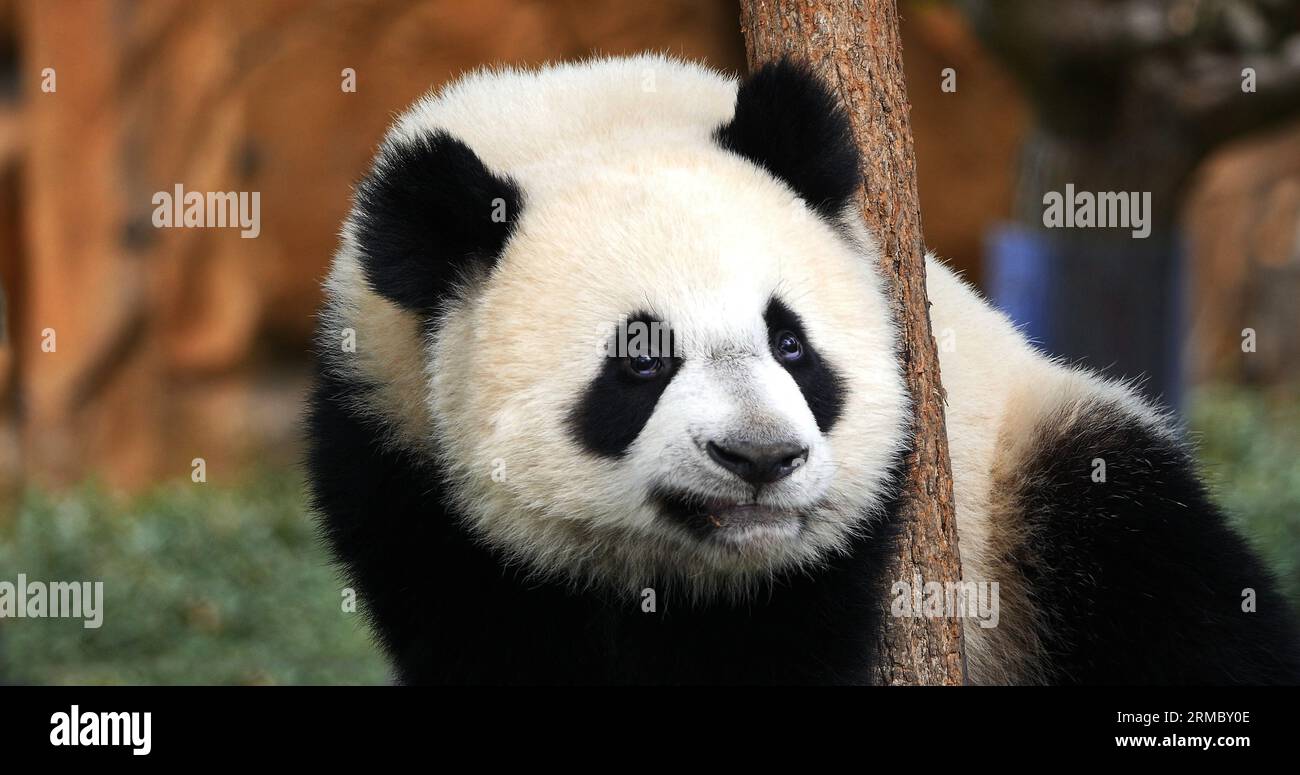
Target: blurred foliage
column 1249, row 446
column 230, row 586
column 204, row 585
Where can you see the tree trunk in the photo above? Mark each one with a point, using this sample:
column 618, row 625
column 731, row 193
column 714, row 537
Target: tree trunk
column 855, row 46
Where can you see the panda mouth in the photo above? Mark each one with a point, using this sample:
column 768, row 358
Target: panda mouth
column 718, row 517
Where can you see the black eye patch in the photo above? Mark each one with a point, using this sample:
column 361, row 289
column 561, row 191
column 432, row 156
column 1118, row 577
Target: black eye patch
column 822, row 388
column 619, row 401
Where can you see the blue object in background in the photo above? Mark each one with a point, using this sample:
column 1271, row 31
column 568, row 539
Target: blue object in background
column 1018, row 278
column 1097, row 297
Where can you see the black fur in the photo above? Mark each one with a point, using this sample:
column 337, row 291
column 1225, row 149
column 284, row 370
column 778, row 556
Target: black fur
column 447, row 610
column 822, row 387
column 426, row 219
column 616, row 404
column 1139, row 578
column 788, row 122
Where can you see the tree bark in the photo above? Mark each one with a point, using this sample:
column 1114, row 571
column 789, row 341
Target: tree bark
column 855, row 47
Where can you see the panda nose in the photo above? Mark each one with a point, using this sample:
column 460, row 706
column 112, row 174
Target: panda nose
column 758, row 463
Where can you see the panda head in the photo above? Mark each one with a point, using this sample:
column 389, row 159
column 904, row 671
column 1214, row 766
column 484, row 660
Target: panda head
column 659, row 353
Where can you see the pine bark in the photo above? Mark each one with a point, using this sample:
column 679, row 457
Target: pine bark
column 855, row 46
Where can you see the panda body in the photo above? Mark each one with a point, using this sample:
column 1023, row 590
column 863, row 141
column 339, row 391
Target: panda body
column 517, row 506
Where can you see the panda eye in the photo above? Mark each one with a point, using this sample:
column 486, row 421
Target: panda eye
column 644, row 366
column 788, row 346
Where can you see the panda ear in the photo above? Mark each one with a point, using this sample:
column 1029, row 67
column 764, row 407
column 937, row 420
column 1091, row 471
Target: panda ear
column 788, row 122
column 429, row 213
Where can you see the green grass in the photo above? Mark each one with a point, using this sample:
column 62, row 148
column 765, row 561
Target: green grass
column 228, row 585
column 202, row 585
column 1249, row 448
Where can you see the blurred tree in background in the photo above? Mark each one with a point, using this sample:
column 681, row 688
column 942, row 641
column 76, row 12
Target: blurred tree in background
column 1129, row 96
column 182, row 343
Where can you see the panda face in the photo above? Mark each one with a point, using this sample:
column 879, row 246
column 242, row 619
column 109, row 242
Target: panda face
column 730, row 430
column 751, row 430
column 638, row 329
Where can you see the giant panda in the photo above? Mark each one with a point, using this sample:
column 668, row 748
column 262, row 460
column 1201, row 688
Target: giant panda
column 518, row 500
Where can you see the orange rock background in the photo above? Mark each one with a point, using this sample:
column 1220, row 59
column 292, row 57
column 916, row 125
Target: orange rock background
column 175, row 344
